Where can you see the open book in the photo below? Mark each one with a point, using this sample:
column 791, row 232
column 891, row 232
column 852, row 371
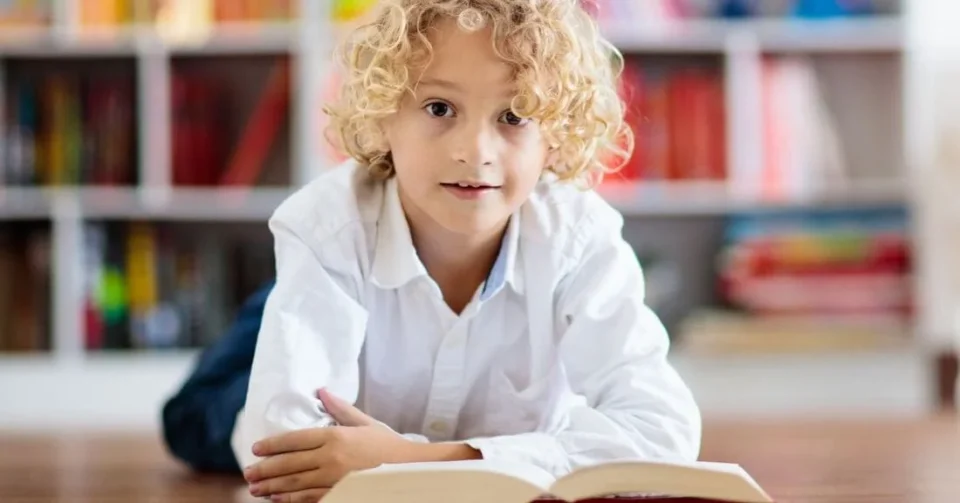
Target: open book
column 484, row 481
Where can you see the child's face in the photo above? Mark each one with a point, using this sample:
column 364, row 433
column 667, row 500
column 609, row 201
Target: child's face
column 456, row 130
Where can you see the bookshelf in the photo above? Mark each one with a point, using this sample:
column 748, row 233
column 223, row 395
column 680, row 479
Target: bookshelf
column 720, row 198
column 848, row 53
column 877, row 34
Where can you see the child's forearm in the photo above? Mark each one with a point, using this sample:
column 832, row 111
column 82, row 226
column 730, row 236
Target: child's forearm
column 426, row 452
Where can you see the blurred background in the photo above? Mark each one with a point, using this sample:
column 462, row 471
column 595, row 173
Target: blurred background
column 789, row 198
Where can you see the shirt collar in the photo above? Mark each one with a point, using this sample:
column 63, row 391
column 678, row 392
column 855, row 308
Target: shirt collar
column 504, row 270
column 396, row 262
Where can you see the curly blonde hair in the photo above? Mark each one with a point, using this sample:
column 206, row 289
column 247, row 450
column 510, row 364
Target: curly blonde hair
column 565, row 70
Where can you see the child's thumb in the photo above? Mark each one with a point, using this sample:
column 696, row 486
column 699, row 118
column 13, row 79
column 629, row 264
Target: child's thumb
column 343, row 413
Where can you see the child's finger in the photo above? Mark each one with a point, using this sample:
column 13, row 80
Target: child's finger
column 297, row 440
column 281, row 464
column 308, row 496
column 284, row 485
column 344, row 413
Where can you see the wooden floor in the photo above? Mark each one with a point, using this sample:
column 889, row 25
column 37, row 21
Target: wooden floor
column 837, row 462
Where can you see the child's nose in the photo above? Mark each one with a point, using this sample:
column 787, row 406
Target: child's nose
column 475, row 146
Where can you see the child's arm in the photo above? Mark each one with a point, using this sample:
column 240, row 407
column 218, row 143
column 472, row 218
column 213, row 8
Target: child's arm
column 614, row 351
column 310, row 337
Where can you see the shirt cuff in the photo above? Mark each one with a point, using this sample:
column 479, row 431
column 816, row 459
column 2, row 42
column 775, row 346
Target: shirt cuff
column 538, row 449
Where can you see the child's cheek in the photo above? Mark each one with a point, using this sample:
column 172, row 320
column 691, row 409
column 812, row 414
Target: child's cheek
column 431, row 127
column 520, row 136
column 526, row 143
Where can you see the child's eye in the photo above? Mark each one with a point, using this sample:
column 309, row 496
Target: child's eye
column 512, row 119
column 439, row 109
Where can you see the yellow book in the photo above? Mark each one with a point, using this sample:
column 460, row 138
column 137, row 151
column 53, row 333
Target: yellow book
column 185, row 20
column 142, row 288
column 54, row 164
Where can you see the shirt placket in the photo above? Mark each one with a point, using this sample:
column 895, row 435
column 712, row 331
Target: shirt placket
column 446, row 395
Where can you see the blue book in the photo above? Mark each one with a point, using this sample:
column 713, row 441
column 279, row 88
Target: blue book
column 821, row 9
column 737, row 8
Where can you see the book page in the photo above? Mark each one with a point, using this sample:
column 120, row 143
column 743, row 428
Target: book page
column 527, row 472
column 474, row 481
column 707, row 480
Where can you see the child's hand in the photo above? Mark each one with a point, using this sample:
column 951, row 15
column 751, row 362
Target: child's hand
column 302, row 465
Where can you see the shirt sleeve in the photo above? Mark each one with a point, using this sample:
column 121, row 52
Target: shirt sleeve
column 613, row 349
column 310, row 337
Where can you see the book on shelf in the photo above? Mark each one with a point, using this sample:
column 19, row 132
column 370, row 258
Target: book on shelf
column 179, row 14
column 651, row 12
column 180, row 17
column 717, row 331
column 233, row 11
column 819, row 263
column 513, row 482
column 25, row 270
column 809, row 281
column 665, row 11
column 187, row 18
column 153, row 286
column 342, row 11
column 144, row 290
column 197, row 134
column 24, row 13
column 105, row 13
column 678, row 121
column 65, row 130
column 203, row 154
column 802, row 151
column 257, row 139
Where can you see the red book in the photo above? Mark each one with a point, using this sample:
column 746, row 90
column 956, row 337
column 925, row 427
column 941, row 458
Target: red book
column 196, row 131
column 504, row 482
column 682, row 125
column 631, row 92
column 228, row 11
column 256, row 140
column 697, row 131
column 109, row 133
column 655, row 157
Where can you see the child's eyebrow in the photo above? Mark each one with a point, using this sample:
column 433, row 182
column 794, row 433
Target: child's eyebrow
column 454, row 86
column 440, row 83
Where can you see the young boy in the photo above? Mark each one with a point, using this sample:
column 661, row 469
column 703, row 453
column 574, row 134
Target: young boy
column 452, row 293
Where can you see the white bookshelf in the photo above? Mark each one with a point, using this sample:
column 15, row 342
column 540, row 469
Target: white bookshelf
column 876, row 34
column 722, row 198
column 268, row 38
column 182, row 204
column 740, row 45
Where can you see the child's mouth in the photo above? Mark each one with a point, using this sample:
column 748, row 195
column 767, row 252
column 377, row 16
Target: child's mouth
column 467, row 190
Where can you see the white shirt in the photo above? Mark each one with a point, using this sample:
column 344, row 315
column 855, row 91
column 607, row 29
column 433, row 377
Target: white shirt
column 556, row 361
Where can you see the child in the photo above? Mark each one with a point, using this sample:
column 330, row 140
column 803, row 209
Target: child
column 453, row 281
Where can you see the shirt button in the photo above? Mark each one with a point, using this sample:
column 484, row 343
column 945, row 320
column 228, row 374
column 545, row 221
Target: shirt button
column 438, row 427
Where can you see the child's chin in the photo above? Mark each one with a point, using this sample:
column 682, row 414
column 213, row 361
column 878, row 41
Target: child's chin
column 479, row 224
